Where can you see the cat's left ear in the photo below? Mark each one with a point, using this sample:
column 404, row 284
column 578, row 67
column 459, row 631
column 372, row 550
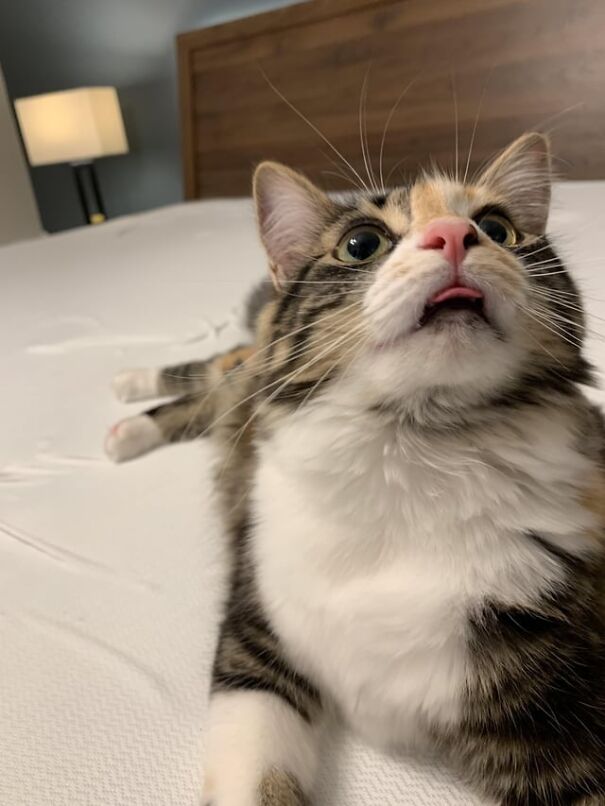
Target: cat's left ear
column 292, row 214
column 521, row 176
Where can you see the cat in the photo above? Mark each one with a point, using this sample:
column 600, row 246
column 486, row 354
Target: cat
column 414, row 488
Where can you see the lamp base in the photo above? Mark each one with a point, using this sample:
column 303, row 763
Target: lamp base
column 89, row 192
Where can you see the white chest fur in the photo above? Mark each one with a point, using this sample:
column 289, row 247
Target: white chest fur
column 374, row 546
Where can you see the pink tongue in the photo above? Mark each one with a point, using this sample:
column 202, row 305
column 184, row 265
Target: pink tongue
column 457, row 291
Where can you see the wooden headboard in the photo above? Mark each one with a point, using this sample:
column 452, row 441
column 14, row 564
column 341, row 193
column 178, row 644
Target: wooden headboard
column 513, row 65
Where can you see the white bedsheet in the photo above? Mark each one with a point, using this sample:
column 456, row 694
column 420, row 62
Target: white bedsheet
column 111, row 576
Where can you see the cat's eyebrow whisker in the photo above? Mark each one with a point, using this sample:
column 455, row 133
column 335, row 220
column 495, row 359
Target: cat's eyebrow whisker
column 394, row 168
column 339, row 172
column 342, row 176
column 317, row 131
column 456, row 128
column 385, row 130
column 363, row 133
column 475, row 125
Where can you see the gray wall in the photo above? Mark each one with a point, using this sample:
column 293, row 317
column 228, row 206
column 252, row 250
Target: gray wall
column 18, row 213
column 48, row 45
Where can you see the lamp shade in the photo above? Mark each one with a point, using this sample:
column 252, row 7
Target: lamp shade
column 72, row 126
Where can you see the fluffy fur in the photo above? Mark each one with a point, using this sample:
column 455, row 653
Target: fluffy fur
column 414, row 497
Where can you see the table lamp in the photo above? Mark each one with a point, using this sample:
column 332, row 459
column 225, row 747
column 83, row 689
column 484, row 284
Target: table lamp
column 75, row 126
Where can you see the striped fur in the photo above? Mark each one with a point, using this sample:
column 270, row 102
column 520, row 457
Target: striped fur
column 468, row 445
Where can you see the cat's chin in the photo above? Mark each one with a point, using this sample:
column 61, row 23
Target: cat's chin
column 457, row 326
column 463, row 354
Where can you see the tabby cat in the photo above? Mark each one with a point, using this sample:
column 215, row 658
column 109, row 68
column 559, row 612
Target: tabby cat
column 413, row 484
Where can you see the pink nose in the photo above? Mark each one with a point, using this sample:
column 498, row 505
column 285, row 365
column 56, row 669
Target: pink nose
column 454, row 236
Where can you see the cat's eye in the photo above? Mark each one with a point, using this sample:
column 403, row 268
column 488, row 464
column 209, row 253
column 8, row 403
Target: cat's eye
column 498, row 228
column 363, row 244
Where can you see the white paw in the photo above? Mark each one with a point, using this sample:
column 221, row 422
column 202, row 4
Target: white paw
column 136, row 384
column 133, row 437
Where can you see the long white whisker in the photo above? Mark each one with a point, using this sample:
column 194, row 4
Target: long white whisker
column 456, row 133
column 240, row 432
column 547, row 323
column 317, row 131
column 363, row 130
column 385, row 130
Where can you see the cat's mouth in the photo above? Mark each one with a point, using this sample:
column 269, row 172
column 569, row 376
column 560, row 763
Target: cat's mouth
column 452, row 300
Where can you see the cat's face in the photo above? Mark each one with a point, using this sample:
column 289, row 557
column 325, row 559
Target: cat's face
column 443, row 289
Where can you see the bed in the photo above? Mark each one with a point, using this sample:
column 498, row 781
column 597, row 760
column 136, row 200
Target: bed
column 112, row 576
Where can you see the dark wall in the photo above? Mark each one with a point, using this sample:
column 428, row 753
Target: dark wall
column 48, row 45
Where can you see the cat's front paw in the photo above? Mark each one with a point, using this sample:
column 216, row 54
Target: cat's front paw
column 131, row 385
column 133, row 437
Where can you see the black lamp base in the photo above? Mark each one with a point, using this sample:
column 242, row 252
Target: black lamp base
column 89, row 192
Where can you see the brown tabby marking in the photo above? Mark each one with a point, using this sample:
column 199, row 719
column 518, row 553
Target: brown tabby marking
column 281, row 789
column 234, row 358
column 594, row 500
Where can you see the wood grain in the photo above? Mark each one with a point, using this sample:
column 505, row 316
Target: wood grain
column 513, row 64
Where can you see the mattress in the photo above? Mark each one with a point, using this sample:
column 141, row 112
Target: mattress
column 111, row 577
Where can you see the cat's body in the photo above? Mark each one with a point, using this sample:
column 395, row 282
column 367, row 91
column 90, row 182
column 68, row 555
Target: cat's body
column 384, row 624
column 415, row 500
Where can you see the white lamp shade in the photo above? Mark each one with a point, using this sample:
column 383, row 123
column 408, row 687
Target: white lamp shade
column 72, row 126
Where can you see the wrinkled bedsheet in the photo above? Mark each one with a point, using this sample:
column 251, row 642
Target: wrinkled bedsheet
column 111, row 577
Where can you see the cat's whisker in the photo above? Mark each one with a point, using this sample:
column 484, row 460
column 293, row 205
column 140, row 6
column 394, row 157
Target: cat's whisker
column 564, row 303
column 524, row 255
column 543, row 347
column 353, row 349
column 558, row 317
column 342, row 176
column 258, row 392
column 456, row 128
column 397, row 165
column 253, row 360
column 385, row 131
column 317, row 131
column 284, row 382
column 475, row 125
column 534, row 275
column 363, row 133
column 547, row 323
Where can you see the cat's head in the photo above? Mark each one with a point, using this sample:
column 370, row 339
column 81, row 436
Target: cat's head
column 442, row 293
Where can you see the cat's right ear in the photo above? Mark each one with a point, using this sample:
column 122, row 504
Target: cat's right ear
column 292, row 214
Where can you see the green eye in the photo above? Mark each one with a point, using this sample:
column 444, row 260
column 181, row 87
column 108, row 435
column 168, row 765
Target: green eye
column 498, row 228
column 362, row 244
